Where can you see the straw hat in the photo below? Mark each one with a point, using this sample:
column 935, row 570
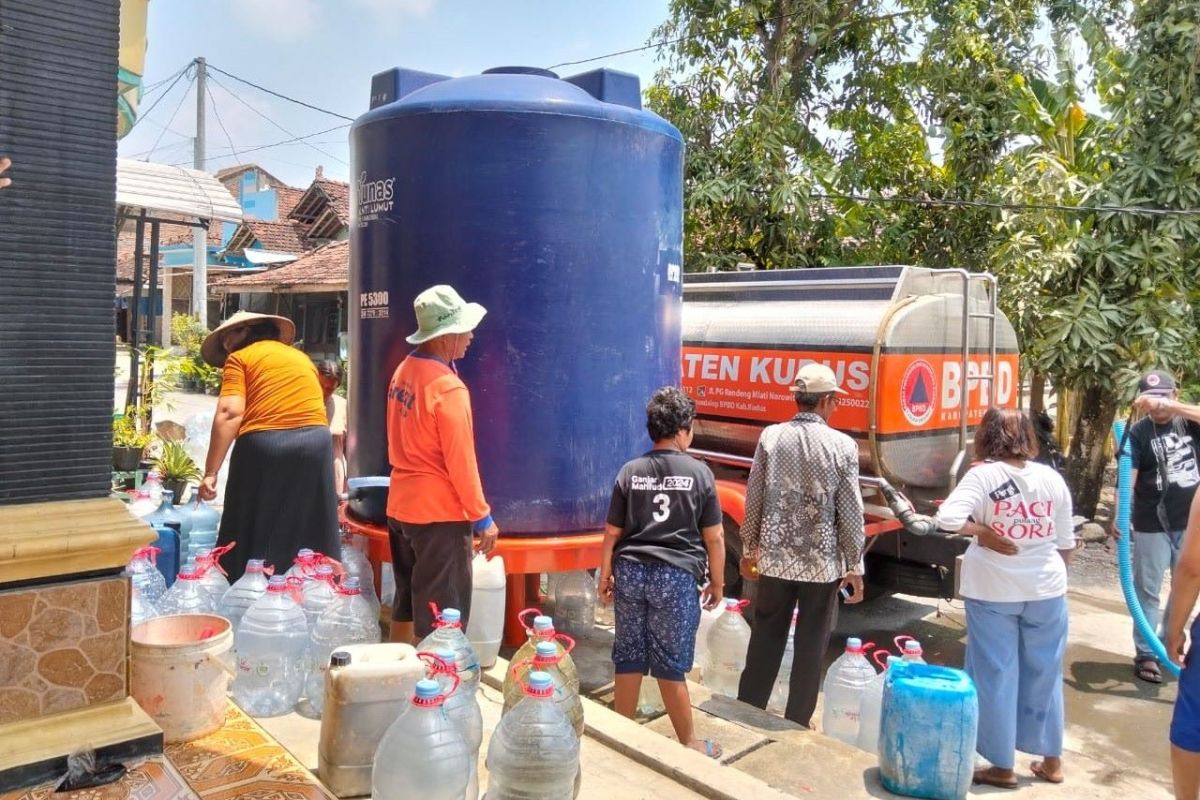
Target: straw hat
column 440, row 311
column 212, row 351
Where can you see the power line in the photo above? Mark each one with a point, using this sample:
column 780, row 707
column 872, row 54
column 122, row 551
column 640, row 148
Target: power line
column 666, row 42
column 167, row 127
column 148, row 89
column 256, row 148
column 279, row 95
column 142, row 115
column 216, row 113
column 277, row 125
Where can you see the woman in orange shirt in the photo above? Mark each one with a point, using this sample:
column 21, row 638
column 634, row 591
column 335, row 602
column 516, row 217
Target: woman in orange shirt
column 279, row 496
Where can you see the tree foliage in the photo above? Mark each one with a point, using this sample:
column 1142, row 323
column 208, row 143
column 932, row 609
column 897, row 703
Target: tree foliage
column 794, row 110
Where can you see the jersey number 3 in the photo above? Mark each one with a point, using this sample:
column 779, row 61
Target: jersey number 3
column 664, row 507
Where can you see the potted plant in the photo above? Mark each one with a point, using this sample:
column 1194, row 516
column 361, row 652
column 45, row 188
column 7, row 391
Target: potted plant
column 176, row 468
column 129, row 440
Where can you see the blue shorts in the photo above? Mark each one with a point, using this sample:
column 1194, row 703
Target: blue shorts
column 1185, row 722
column 657, row 607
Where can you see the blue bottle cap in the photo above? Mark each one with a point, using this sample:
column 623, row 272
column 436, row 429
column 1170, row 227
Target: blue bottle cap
column 427, row 689
column 854, row 643
column 351, row 582
column 451, row 615
column 540, row 681
column 543, row 623
column 303, row 552
column 256, row 563
column 893, row 661
column 277, row 580
column 546, row 649
column 731, row 604
column 912, row 646
column 325, row 569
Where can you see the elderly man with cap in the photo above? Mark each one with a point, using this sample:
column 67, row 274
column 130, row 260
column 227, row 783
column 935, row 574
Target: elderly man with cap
column 1163, row 445
column 435, row 501
column 279, row 497
column 802, row 540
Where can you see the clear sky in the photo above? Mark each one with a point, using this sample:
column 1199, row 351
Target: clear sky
column 325, row 51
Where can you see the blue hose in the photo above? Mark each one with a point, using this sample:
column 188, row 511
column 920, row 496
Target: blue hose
column 1124, row 548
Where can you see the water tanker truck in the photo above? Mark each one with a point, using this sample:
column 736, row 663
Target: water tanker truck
column 922, row 353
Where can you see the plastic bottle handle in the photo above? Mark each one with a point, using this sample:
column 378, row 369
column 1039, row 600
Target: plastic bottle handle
column 515, row 669
column 437, row 618
column 880, row 657
column 740, row 606
column 339, row 569
column 568, row 642
column 437, row 664
column 537, row 612
column 295, row 588
column 901, row 639
column 214, row 557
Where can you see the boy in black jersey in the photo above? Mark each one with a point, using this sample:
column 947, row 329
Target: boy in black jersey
column 663, row 534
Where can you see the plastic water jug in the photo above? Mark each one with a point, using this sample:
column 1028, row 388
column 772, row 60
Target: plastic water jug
column 448, row 634
column 871, row 711
column 725, row 653
column 348, row 620
column 605, row 612
column 212, row 575
column 485, row 628
column 204, row 517
column 534, row 751
column 245, row 590
column 707, row 618
column 358, row 565
column 462, row 707
column 650, row 701
column 165, row 512
column 575, row 604
column 187, row 594
column 170, row 554
column 422, row 755
column 153, row 486
column 145, row 576
column 271, row 645
column 319, row 594
column 546, row 659
column 366, row 688
column 779, row 692
column 305, row 564
column 845, row 681
column 140, row 609
column 927, row 736
column 541, row 630
column 141, row 506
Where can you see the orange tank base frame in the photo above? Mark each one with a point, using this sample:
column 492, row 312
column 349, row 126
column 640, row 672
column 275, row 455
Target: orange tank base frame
column 525, row 559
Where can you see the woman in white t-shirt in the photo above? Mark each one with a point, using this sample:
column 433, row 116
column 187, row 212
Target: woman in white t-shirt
column 1014, row 579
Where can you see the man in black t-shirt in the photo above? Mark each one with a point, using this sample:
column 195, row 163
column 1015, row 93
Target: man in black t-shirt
column 662, row 536
column 1165, row 476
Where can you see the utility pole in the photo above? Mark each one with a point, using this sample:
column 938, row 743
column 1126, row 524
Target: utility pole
column 200, row 236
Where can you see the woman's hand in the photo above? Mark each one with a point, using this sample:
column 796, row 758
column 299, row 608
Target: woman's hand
column 208, row 488
column 607, row 582
column 711, row 596
column 1176, row 646
column 995, row 542
column 748, row 567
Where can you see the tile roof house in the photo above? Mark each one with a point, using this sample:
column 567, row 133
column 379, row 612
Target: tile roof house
column 325, row 208
column 325, row 269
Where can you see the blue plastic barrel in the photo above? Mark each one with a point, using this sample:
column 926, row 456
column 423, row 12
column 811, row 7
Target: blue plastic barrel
column 927, row 735
column 557, row 204
column 167, row 560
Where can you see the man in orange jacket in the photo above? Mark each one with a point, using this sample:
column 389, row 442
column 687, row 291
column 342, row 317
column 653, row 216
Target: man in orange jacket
column 435, row 503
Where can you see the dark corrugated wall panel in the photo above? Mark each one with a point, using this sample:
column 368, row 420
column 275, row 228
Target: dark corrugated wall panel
column 58, row 72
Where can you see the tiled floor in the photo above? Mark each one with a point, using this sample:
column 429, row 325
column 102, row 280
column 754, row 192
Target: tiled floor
column 238, row 761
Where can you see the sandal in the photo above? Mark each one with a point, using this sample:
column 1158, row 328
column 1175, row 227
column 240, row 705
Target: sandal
column 1039, row 771
column 1147, row 669
column 986, row 777
column 711, row 749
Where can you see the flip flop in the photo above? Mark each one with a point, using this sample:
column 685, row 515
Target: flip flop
column 711, row 749
column 1039, row 771
column 983, row 777
column 1148, row 670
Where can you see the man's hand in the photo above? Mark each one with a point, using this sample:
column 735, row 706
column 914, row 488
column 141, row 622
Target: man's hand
column 1145, row 403
column 711, row 596
column 748, row 567
column 5, row 163
column 1176, row 645
column 991, row 540
column 1114, row 532
column 854, row 583
column 487, row 541
column 208, row 488
column 607, row 583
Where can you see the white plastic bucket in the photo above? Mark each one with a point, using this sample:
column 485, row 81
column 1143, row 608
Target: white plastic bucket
column 180, row 673
column 485, row 627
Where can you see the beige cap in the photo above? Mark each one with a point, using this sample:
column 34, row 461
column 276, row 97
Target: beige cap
column 816, row 378
column 440, row 311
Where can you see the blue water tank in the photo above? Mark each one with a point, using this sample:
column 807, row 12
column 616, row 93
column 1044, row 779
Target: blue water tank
column 557, row 204
column 927, row 733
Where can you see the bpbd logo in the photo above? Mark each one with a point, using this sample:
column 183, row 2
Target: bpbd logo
column 374, row 198
column 917, row 392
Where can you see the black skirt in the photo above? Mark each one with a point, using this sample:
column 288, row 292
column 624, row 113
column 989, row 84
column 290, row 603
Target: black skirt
column 279, row 498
